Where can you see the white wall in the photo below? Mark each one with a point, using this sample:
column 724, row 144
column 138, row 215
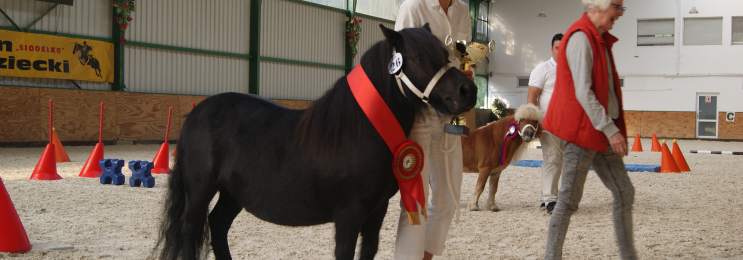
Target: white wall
column 657, row 78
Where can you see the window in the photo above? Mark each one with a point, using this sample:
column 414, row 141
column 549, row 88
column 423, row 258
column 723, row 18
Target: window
column 523, row 82
column 480, row 8
column 482, row 91
column 332, row 3
column 621, row 82
column 703, row 31
column 737, row 30
column 481, row 26
column 386, row 9
column 655, row 32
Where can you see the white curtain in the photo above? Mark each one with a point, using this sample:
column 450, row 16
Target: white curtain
column 703, row 31
column 655, row 32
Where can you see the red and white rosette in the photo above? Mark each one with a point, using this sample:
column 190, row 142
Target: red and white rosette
column 408, row 161
column 407, row 166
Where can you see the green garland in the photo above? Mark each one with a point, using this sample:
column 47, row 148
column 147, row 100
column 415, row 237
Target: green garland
column 500, row 110
column 353, row 31
column 123, row 13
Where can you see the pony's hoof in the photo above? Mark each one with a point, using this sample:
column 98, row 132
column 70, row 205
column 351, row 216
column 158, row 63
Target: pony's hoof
column 474, row 208
column 495, row 210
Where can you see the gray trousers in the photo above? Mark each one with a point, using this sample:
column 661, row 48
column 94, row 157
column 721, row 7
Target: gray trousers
column 610, row 168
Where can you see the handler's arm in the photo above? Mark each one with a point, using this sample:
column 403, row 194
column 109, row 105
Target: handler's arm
column 533, row 96
column 537, row 79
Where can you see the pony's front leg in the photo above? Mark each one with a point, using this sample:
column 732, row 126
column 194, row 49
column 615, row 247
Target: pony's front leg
column 370, row 233
column 493, row 189
column 348, row 224
column 481, row 180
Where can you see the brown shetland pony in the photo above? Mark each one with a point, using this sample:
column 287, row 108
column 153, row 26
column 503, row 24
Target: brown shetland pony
column 482, row 149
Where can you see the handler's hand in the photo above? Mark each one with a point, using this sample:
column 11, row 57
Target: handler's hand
column 468, row 73
column 618, row 144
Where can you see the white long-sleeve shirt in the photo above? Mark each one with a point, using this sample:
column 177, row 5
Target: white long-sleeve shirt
column 580, row 61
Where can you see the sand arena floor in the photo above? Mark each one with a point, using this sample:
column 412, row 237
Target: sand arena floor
column 693, row 215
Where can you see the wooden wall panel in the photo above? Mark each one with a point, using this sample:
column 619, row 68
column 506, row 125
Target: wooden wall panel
column 295, row 104
column 19, row 115
column 77, row 114
column 184, row 107
column 633, row 120
column 730, row 130
column 24, row 116
column 652, row 123
column 470, row 118
column 145, row 116
column 679, row 124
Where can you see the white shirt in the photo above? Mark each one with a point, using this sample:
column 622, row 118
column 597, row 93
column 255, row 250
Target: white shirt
column 543, row 77
column 416, row 13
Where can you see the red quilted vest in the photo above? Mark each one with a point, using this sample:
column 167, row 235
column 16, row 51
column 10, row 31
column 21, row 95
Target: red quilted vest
column 566, row 118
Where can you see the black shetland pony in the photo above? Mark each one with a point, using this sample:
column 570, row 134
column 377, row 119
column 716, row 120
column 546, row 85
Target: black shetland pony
column 302, row 167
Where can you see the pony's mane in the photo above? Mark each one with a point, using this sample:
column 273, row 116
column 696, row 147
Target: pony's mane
column 528, row 111
column 502, row 121
column 336, row 117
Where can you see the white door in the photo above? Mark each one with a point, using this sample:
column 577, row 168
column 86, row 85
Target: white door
column 707, row 115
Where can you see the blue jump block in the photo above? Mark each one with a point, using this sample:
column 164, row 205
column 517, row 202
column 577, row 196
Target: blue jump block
column 141, row 173
column 630, row 167
column 112, row 171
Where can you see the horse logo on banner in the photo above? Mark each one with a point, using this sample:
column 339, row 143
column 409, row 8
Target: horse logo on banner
column 86, row 58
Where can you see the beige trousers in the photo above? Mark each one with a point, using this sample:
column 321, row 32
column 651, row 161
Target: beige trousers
column 552, row 150
column 441, row 151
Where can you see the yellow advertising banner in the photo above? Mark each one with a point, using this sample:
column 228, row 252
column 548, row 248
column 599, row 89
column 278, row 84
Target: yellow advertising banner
column 32, row 55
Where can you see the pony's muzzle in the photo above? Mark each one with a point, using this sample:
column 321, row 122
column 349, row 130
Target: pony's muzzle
column 529, row 133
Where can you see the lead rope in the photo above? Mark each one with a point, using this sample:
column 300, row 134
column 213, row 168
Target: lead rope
column 448, row 174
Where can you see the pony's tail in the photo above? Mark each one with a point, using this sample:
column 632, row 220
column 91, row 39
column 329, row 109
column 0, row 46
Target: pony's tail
column 171, row 239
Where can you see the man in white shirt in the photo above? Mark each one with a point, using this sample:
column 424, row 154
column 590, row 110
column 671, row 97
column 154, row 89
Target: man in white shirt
column 443, row 162
column 541, row 85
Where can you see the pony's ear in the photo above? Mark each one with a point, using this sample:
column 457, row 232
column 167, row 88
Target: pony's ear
column 427, row 27
column 393, row 37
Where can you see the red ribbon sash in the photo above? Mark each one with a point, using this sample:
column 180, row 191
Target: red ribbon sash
column 408, row 160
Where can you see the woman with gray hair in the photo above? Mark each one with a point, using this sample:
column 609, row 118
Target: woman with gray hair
column 586, row 113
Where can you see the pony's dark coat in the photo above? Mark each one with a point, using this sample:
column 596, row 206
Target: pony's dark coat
column 301, row 167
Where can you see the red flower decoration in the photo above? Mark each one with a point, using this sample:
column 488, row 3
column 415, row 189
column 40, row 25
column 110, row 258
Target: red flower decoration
column 123, row 26
column 122, row 41
column 129, row 19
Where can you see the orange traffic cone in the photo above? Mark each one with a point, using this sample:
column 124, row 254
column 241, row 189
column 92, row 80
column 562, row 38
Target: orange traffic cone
column 59, row 151
column 46, row 168
column 656, row 146
column 92, row 167
column 679, row 158
column 13, row 237
column 162, row 160
column 637, row 146
column 668, row 164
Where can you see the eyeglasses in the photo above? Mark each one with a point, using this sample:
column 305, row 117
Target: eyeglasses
column 619, row 8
